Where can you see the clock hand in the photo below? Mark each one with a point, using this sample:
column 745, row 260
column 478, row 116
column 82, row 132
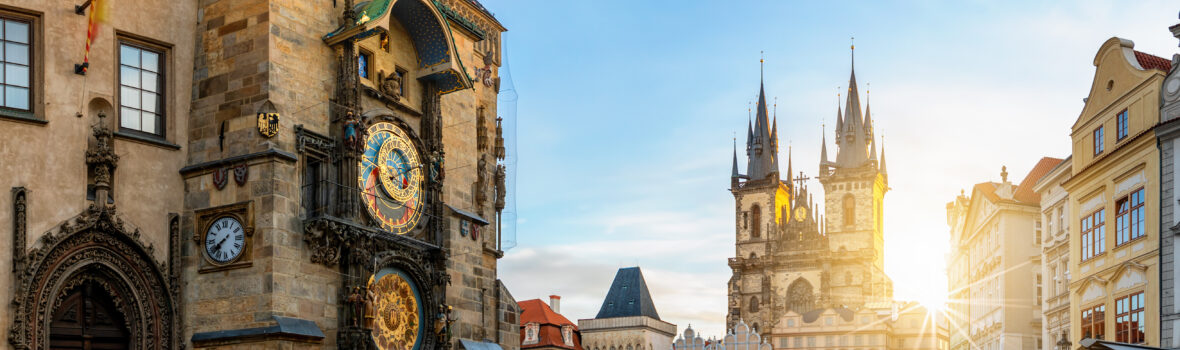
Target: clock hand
column 218, row 246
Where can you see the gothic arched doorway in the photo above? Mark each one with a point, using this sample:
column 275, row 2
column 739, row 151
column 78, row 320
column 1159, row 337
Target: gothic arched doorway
column 87, row 319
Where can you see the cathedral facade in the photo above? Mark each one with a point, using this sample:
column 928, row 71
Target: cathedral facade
column 791, row 258
column 802, row 279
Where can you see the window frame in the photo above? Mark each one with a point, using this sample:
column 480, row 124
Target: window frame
column 1089, row 240
column 164, row 53
column 1127, row 312
column 365, row 72
column 1121, row 127
column 1099, row 136
column 1093, row 326
column 34, row 114
column 1134, row 228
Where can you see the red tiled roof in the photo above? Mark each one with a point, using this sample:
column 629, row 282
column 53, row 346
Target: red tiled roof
column 536, row 311
column 1149, row 61
column 1025, row 192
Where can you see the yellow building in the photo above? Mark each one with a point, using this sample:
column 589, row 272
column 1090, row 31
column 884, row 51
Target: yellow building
column 1113, row 209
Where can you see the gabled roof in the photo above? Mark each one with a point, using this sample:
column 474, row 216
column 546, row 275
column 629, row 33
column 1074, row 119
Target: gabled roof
column 536, row 311
column 628, row 296
column 1149, row 61
column 549, row 326
column 1025, row 192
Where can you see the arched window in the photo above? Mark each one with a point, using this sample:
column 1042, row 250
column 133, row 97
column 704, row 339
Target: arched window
column 753, row 304
column 849, row 210
column 756, row 222
column 800, row 297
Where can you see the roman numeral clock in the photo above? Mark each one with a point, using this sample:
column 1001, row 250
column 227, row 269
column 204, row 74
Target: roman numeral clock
column 225, row 236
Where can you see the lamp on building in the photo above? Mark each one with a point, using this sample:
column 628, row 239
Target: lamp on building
column 1063, row 342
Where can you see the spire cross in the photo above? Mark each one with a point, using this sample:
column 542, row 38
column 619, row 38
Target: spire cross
column 801, row 178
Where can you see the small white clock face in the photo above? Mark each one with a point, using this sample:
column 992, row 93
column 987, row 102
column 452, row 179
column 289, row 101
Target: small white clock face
column 225, row 240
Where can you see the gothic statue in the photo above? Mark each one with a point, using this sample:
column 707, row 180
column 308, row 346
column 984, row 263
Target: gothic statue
column 357, row 301
column 352, row 132
column 500, row 150
column 501, row 186
column 391, row 85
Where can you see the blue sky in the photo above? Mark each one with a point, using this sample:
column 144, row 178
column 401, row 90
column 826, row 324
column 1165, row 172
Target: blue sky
column 627, row 112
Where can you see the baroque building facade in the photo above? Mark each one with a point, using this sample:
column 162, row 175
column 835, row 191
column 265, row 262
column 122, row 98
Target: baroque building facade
column 281, row 172
column 793, row 264
column 1055, row 274
column 998, row 228
column 1113, row 204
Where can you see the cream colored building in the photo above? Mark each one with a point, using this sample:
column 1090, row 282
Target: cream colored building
column 998, row 227
column 876, row 326
column 1054, row 254
column 1113, row 204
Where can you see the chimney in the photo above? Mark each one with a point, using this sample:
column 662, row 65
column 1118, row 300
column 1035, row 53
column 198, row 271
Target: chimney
column 555, row 303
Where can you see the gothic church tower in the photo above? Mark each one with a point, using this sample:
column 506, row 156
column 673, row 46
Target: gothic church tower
column 761, row 204
column 854, row 191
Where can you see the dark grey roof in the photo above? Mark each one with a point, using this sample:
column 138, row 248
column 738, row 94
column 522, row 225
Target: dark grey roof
column 628, row 296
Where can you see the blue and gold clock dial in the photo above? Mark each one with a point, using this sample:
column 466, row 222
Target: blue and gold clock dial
column 390, row 178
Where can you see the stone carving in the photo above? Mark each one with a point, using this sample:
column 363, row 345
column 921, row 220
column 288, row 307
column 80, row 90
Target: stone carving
column 501, row 152
column 95, row 246
column 102, row 159
column 241, row 173
column 19, row 204
column 481, row 131
column 307, row 140
column 391, row 85
column 220, row 177
column 801, row 297
column 501, row 186
column 481, row 183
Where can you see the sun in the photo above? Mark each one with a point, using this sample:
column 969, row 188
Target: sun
column 933, row 301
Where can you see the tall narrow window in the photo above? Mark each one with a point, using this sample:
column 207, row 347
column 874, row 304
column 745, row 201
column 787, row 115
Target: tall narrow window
column 363, row 62
column 756, row 221
column 849, row 210
column 1122, row 125
column 1129, row 223
column 1098, row 144
column 1094, row 322
column 141, row 88
column 1093, row 234
column 1038, row 289
column 17, row 76
column 1129, row 322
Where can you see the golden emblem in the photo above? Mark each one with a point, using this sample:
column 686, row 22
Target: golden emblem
column 268, row 124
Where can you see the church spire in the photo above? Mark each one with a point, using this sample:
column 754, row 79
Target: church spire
column 734, row 173
column 883, row 172
column 853, row 144
column 823, row 150
column 789, row 166
column 763, row 152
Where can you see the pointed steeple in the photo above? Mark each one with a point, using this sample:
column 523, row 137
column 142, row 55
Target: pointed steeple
column 763, row 153
column 853, row 144
column 882, row 166
column 823, row 150
column 789, row 166
column 734, row 174
column 839, row 120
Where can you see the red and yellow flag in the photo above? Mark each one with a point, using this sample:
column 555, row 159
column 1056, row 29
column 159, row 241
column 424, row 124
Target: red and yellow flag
column 98, row 14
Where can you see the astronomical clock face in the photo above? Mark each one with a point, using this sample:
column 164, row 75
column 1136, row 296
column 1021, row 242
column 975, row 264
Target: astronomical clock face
column 397, row 311
column 390, row 178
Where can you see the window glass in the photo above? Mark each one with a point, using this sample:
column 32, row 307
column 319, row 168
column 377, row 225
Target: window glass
column 140, row 89
column 15, row 75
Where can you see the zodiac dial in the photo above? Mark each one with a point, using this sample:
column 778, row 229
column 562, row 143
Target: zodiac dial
column 390, row 178
column 396, row 311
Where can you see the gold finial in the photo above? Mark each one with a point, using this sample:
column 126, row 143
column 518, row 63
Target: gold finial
column 852, row 42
